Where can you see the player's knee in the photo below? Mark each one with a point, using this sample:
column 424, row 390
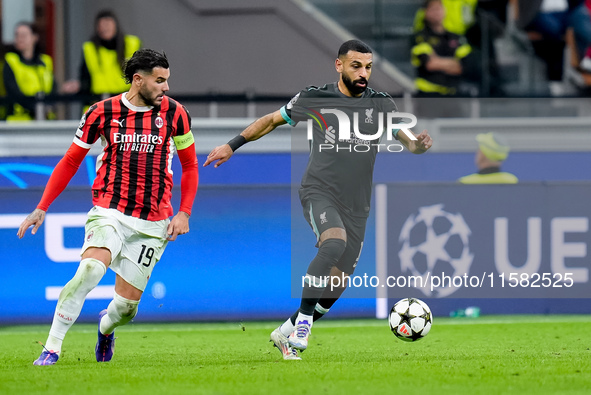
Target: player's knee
column 125, row 308
column 89, row 274
column 332, row 249
column 129, row 311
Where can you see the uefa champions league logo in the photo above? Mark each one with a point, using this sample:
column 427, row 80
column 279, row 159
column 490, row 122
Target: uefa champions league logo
column 434, row 242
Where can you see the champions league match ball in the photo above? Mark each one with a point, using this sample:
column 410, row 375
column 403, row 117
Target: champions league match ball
column 410, row 319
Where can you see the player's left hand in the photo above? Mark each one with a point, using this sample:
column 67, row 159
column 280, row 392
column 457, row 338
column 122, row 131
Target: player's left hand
column 34, row 219
column 179, row 225
column 424, row 142
column 220, row 153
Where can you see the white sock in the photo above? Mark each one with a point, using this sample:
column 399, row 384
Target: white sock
column 287, row 327
column 53, row 344
column 71, row 300
column 303, row 317
column 119, row 312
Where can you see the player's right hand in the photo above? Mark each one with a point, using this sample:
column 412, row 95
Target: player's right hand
column 220, row 153
column 35, row 218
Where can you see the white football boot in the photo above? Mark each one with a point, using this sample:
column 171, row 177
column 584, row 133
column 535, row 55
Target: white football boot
column 282, row 343
column 299, row 337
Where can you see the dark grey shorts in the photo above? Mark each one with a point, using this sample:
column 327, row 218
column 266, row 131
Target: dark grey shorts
column 322, row 214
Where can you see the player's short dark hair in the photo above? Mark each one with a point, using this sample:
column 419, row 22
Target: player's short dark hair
column 354, row 45
column 144, row 60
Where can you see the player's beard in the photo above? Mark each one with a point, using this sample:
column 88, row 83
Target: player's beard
column 355, row 90
column 146, row 97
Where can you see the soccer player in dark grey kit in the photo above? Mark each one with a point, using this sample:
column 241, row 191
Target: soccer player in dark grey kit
column 336, row 186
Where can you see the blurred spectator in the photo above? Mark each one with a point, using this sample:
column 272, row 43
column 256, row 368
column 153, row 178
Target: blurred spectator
column 27, row 74
column 460, row 15
column 492, row 152
column 473, row 19
column 546, row 22
column 441, row 58
column 497, row 8
column 586, row 62
column 2, row 89
column 103, row 57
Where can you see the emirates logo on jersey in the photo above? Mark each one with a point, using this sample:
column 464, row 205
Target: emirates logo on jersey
column 159, row 122
column 137, row 142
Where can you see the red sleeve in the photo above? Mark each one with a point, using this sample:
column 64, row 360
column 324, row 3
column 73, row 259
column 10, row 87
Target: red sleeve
column 189, row 178
column 62, row 174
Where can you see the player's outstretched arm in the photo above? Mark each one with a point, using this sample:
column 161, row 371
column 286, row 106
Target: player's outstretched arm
column 34, row 219
column 254, row 131
column 418, row 146
column 59, row 179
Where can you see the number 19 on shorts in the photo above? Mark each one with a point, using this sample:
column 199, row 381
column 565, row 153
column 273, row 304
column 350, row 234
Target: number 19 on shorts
column 146, row 255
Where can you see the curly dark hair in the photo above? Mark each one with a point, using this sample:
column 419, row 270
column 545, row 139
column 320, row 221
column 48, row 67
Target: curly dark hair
column 144, row 60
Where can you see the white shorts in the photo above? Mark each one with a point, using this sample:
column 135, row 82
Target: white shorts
column 136, row 245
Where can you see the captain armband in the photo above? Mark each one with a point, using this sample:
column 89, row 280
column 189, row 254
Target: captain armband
column 184, row 141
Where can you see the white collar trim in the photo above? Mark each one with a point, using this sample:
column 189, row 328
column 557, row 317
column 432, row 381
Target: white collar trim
column 132, row 107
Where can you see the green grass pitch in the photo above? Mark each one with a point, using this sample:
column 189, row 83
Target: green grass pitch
column 486, row 355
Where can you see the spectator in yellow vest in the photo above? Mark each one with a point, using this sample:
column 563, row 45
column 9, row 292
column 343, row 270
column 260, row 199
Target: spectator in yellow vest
column 460, row 15
column 442, row 59
column 27, row 73
column 103, row 57
column 2, row 89
column 492, row 152
column 466, row 18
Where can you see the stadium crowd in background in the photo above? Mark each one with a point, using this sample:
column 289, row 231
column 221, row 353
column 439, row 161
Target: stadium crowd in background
column 27, row 74
column 586, row 61
column 103, row 57
column 129, row 227
column 546, row 23
column 477, row 22
column 492, row 151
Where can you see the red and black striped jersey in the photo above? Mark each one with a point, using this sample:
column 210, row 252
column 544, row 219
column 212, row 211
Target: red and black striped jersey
column 134, row 171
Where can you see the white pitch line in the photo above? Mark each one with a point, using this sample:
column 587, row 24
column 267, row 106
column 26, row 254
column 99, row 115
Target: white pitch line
column 100, row 292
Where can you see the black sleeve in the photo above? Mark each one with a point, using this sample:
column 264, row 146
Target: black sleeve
column 301, row 107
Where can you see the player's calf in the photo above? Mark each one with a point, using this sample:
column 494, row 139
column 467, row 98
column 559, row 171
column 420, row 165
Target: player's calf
column 120, row 311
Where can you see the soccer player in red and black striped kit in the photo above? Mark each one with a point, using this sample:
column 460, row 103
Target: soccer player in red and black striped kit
column 129, row 227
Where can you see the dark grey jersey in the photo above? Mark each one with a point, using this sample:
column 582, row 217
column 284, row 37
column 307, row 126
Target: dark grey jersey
column 346, row 135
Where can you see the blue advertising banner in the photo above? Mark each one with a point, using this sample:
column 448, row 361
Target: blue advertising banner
column 249, row 246
column 224, row 268
column 484, row 241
